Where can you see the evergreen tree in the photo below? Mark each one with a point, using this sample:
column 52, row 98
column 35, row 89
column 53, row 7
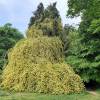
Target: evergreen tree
column 37, row 15
column 51, row 11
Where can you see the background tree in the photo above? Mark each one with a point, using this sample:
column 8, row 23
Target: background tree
column 65, row 36
column 8, row 37
column 87, row 59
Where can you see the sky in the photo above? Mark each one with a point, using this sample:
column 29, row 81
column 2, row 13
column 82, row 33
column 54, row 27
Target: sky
column 18, row 12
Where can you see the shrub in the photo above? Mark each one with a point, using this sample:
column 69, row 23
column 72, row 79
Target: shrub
column 37, row 65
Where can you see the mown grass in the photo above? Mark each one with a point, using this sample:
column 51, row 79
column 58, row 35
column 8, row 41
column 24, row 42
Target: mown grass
column 32, row 96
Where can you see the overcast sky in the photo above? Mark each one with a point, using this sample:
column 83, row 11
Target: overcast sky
column 18, row 12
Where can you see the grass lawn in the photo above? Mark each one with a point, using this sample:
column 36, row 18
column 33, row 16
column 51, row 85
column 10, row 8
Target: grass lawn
column 32, row 96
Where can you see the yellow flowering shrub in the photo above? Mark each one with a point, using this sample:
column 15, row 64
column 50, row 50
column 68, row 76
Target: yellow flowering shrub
column 34, row 32
column 37, row 65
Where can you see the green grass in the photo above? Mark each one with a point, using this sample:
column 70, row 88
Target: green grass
column 32, row 96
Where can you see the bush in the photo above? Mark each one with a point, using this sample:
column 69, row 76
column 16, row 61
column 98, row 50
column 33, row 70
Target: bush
column 37, row 65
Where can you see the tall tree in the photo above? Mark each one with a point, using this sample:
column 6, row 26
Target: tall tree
column 51, row 11
column 8, row 37
column 87, row 58
column 37, row 15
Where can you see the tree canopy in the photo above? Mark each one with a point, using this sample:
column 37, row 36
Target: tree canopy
column 8, row 37
column 86, row 58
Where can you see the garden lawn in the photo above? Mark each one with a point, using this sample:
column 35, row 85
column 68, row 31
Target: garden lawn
column 89, row 95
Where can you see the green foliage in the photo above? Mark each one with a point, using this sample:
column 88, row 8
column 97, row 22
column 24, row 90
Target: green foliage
column 8, row 37
column 84, row 54
column 84, row 58
column 37, row 64
column 81, row 7
column 95, row 27
column 66, row 38
column 89, row 10
column 37, row 15
column 51, row 11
